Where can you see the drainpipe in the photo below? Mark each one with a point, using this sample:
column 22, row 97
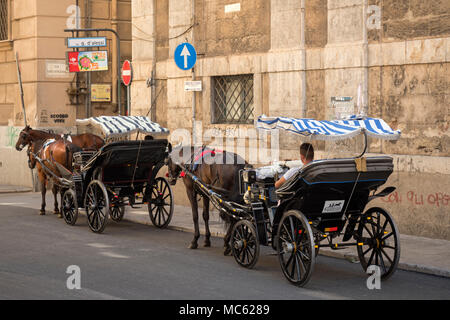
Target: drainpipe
column 194, row 140
column 365, row 86
column 303, row 57
column 114, row 44
column 87, row 25
column 153, row 76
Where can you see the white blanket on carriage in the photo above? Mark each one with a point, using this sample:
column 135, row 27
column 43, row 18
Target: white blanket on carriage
column 278, row 167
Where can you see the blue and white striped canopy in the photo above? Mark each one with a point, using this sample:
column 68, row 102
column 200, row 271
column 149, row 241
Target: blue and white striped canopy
column 330, row 130
column 121, row 125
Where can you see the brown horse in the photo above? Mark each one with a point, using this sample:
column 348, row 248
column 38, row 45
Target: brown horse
column 217, row 169
column 86, row 141
column 60, row 151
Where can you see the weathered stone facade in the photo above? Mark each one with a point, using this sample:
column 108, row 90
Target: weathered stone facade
column 400, row 57
column 36, row 33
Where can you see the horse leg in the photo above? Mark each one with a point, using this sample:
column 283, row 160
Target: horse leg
column 206, row 219
column 55, row 196
column 193, row 199
column 43, row 181
column 226, row 239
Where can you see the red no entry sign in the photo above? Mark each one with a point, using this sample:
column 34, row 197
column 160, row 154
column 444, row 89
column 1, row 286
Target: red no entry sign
column 127, row 74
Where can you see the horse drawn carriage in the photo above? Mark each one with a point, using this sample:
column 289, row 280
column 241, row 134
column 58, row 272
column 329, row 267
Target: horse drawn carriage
column 324, row 201
column 122, row 172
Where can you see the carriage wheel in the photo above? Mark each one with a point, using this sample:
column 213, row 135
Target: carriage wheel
column 160, row 205
column 379, row 241
column 295, row 245
column 96, row 204
column 69, row 207
column 117, row 212
column 245, row 244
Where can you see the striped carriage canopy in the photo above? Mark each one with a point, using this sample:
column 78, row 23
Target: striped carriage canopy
column 113, row 126
column 330, row 130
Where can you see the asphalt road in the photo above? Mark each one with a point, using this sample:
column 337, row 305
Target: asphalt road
column 133, row 261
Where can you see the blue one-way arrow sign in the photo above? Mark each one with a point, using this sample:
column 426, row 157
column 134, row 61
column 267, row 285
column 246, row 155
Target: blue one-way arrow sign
column 185, row 56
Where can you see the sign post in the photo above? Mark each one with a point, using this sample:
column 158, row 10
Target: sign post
column 127, row 77
column 185, row 58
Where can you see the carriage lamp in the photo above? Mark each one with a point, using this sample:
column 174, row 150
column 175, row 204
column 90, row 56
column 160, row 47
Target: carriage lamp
column 249, row 176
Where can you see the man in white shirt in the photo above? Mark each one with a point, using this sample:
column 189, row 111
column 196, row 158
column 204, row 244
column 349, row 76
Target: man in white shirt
column 306, row 156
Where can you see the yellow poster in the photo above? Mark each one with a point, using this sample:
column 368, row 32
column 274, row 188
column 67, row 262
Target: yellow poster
column 100, row 92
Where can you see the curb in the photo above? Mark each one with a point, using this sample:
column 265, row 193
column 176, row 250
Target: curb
column 16, row 190
column 353, row 258
column 401, row 265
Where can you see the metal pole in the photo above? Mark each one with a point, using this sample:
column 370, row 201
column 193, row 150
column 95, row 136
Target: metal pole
column 128, row 101
column 19, row 79
column 118, row 55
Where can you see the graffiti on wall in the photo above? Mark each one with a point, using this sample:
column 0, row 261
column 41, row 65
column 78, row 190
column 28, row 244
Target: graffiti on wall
column 12, row 135
column 436, row 199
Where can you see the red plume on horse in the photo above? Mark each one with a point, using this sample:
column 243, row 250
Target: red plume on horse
column 53, row 149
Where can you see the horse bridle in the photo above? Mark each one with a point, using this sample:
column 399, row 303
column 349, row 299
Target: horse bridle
column 24, row 136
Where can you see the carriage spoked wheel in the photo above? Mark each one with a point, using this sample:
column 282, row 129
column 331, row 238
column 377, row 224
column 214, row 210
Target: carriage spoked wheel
column 96, row 204
column 295, row 246
column 378, row 241
column 117, row 212
column 245, row 244
column 69, row 207
column 160, row 205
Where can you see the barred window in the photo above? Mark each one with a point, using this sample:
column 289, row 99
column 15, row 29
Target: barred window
column 233, row 99
column 4, row 20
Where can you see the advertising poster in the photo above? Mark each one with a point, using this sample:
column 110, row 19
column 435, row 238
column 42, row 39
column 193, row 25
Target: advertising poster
column 100, row 92
column 88, row 61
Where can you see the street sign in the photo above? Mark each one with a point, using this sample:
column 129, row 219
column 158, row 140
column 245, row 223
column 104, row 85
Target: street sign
column 88, row 61
column 86, row 42
column 127, row 74
column 185, row 56
column 192, row 86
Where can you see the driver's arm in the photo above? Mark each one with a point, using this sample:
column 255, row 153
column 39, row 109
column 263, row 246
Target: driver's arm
column 280, row 182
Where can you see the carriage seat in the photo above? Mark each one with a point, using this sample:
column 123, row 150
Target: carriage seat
column 340, row 174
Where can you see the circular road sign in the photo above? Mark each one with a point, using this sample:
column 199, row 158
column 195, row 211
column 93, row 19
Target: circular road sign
column 185, row 56
column 127, row 74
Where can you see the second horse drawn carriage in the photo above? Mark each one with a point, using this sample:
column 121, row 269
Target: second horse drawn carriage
column 325, row 201
column 120, row 173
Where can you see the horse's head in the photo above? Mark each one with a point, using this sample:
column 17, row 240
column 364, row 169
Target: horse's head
column 24, row 138
column 174, row 163
column 173, row 171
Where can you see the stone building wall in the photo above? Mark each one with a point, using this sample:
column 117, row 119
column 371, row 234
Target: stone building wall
column 37, row 35
column 398, row 51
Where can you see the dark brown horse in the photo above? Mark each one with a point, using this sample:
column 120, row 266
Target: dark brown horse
column 217, row 169
column 59, row 151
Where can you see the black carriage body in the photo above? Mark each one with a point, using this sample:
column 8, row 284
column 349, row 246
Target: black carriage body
column 328, row 191
column 126, row 166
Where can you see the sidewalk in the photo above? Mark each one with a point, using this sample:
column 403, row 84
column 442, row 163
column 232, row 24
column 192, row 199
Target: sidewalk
column 417, row 254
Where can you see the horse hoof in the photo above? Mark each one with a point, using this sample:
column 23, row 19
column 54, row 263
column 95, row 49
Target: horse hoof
column 42, row 213
column 193, row 246
column 56, row 212
column 207, row 243
column 59, row 215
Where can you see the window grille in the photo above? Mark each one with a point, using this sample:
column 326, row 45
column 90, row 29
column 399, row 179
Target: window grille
column 233, row 99
column 4, row 20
